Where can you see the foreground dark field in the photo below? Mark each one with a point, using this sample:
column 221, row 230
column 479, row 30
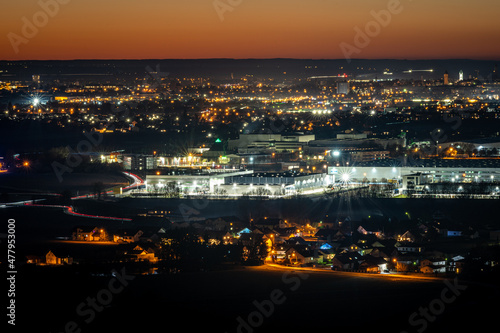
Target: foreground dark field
column 213, row 301
column 82, row 183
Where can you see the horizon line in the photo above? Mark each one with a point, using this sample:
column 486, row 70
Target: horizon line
column 243, row 59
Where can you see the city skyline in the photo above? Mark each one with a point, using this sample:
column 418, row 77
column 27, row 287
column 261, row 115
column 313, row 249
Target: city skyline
column 60, row 30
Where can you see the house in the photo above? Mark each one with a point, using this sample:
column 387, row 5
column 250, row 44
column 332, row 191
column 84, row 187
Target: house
column 434, row 265
column 432, row 269
column 227, row 239
column 127, row 236
column 407, row 262
column 373, row 264
column 451, row 233
column 32, row 259
column 325, row 254
column 89, row 234
column 363, row 231
column 151, row 235
column 406, row 237
column 297, row 241
column 353, row 247
column 140, row 253
column 456, row 264
column 325, row 234
column 300, row 255
column 243, row 231
column 52, row 259
column 323, row 224
column 404, row 247
column 248, row 239
column 278, row 253
column 384, row 252
column 346, row 261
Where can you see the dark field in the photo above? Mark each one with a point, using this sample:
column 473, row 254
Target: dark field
column 373, row 212
column 49, row 182
column 212, row 301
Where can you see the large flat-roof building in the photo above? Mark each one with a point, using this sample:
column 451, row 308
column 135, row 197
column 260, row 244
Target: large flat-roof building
column 276, row 142
column 274, row 183
column 434, row 170
column 193, row 180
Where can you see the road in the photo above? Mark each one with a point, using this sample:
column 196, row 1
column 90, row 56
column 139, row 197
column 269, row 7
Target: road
column 270, row 266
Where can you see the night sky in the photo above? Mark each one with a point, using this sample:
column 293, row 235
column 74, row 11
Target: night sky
column 133, row 29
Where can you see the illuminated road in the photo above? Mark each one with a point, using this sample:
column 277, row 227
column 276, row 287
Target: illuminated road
column 138, row 181
column 353, row 274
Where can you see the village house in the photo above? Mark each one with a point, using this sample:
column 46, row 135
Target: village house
column 89, row 234
column 325, row 255
column 300, row 255
column 406, row 237
column 404, row 247
column 152, row 235
column 407, row 262
column 278, row 253
column 127, row 236
column 373, row 264
column 142, row 253
column 346, row 261
column 456, row 264
column 250, row 239
column 227, row 239
column 384, row 252
column 52, row 259
column 435, row 265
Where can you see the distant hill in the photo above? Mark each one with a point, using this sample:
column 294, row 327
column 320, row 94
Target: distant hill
column 281, row 70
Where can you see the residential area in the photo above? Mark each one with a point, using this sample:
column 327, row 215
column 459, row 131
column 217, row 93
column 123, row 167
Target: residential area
column 432, row 248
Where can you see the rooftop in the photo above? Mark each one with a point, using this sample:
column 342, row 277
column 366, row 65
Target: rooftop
column 436, row 163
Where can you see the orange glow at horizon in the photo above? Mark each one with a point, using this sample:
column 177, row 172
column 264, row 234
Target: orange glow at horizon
column 154, row 29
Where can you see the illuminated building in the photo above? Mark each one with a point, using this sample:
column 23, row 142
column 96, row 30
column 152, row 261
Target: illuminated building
column 139, row 162
column 343, row 87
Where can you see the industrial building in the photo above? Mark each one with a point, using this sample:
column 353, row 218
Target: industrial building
column 250, row 143
column 428, row 171
column 193, row 180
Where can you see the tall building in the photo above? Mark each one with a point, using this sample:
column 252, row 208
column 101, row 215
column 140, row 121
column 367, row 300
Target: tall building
column 445, row 78
column 461, row 75
column 138, row 162
column 36, row 79
column 343, row 87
